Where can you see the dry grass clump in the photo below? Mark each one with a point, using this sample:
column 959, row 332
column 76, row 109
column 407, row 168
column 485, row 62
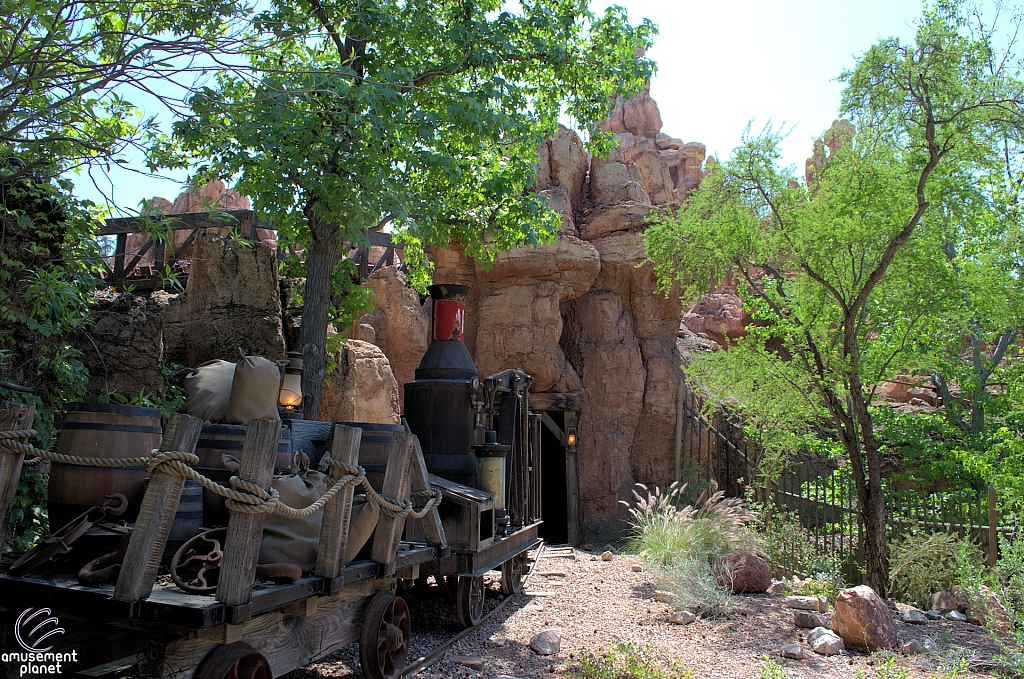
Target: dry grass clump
column 680, row 543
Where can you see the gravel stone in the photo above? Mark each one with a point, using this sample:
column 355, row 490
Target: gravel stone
column 792, row 651
column 547, row 642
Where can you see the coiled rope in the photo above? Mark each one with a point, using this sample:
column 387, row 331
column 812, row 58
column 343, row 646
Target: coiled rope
column 242, row 496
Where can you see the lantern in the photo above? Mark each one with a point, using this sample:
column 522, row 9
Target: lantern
column 290, row 398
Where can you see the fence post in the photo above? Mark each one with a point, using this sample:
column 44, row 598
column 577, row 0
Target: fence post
column 993, row 527
column 680, row 394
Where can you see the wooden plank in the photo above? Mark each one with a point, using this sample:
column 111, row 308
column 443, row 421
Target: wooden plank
column 553, row 428
column 119, row 248
column 397, row 479
column 288, row 642
column 146, row 546
column 569, row 400
column 130, row 266
column 433, row 530
column 13, row 417
column 242, row 544
column 330, row 557
column 572, row 486
column 178, row 222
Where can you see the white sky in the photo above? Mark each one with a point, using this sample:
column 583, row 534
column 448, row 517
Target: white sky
column 722, row 63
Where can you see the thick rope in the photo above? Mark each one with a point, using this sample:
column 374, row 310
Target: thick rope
column 242, row 496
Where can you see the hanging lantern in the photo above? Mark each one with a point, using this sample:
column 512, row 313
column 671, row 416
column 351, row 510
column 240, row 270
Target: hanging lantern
column 290, row 399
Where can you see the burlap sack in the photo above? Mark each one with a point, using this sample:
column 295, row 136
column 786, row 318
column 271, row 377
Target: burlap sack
column 208, row 390
column 293, row 540
column 254, row 391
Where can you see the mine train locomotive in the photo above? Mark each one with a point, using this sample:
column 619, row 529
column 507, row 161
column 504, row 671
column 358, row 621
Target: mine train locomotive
column 477, row 445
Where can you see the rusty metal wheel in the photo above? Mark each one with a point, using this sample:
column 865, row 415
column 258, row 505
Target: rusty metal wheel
column 234, row 661
column 512, row 573
column 384, row 640
column 469, row 601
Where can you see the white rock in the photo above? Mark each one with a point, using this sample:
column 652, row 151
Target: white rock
column 682, row 617
column 825, row 642
column 912, row 647
column 496, row 639
column 929, row 646
column 955, row 615
column 547, row 642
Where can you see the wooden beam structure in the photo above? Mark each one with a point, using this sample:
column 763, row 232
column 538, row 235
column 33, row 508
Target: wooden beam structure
column 569, row 400
column 330, row 556
column 397, row 480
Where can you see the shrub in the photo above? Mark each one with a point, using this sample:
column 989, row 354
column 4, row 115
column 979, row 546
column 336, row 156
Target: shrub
column 681, row 543
column 661, row 531
column 929, row 562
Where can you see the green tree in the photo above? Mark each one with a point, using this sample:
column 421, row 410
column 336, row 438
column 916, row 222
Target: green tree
column 425, row 115
column 846, row 269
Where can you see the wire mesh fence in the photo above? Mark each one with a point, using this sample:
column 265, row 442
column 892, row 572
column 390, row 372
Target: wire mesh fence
column 810, row 511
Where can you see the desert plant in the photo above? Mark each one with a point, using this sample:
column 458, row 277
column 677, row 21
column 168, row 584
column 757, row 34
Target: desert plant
column 626, row 661
column 928, row 562
column 695, row 587
column 771, row 670
column 661, row 531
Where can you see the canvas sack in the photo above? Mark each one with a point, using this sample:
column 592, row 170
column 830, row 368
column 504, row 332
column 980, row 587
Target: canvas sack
column 208, row 390
column 255, row 388
column 294, row 540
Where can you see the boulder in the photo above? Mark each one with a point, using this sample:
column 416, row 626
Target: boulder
column 985, row 609
column 745, row 573
column 719, row 316
column 809, row 620
column 562, row 162
column 913, row 616
column 361, row 388
column 824, row 641
column 953, row 599
column 792, row 651
column 807, row 603
column 862, row 619
column 547, row 642
column 401, row 324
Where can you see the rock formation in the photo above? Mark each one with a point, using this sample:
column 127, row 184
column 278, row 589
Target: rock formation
column 582, row 313
column 231, row 302
column 400, row 323
column 361, row 388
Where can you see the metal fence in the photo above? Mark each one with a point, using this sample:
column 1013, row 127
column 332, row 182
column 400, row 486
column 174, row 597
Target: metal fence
column 810, row 511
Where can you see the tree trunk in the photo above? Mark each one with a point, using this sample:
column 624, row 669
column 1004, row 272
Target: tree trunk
column 869, row 492
column 316, row 305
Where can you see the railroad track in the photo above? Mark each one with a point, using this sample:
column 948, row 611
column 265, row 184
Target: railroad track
column 542, row 552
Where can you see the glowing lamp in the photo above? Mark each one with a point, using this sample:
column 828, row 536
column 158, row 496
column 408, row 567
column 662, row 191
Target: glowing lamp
column 290, row 398
column 570, row 440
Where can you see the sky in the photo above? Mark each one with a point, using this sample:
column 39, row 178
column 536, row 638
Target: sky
column 721, row 65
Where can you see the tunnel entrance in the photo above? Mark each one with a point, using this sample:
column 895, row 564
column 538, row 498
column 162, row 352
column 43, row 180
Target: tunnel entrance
column 554, row 510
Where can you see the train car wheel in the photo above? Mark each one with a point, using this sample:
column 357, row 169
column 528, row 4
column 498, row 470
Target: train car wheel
column 234, row 661
column 384, row 640
column 512, row 573
column 470, row 600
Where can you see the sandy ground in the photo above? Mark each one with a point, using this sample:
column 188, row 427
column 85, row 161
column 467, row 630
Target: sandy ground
column 597, row 603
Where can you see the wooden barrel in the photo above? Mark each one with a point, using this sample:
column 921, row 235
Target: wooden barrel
column 374, row 447
column 217, row 440
column 188, row 520
column 108, row 431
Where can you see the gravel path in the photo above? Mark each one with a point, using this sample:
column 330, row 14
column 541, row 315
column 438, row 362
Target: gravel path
column 596, row 603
